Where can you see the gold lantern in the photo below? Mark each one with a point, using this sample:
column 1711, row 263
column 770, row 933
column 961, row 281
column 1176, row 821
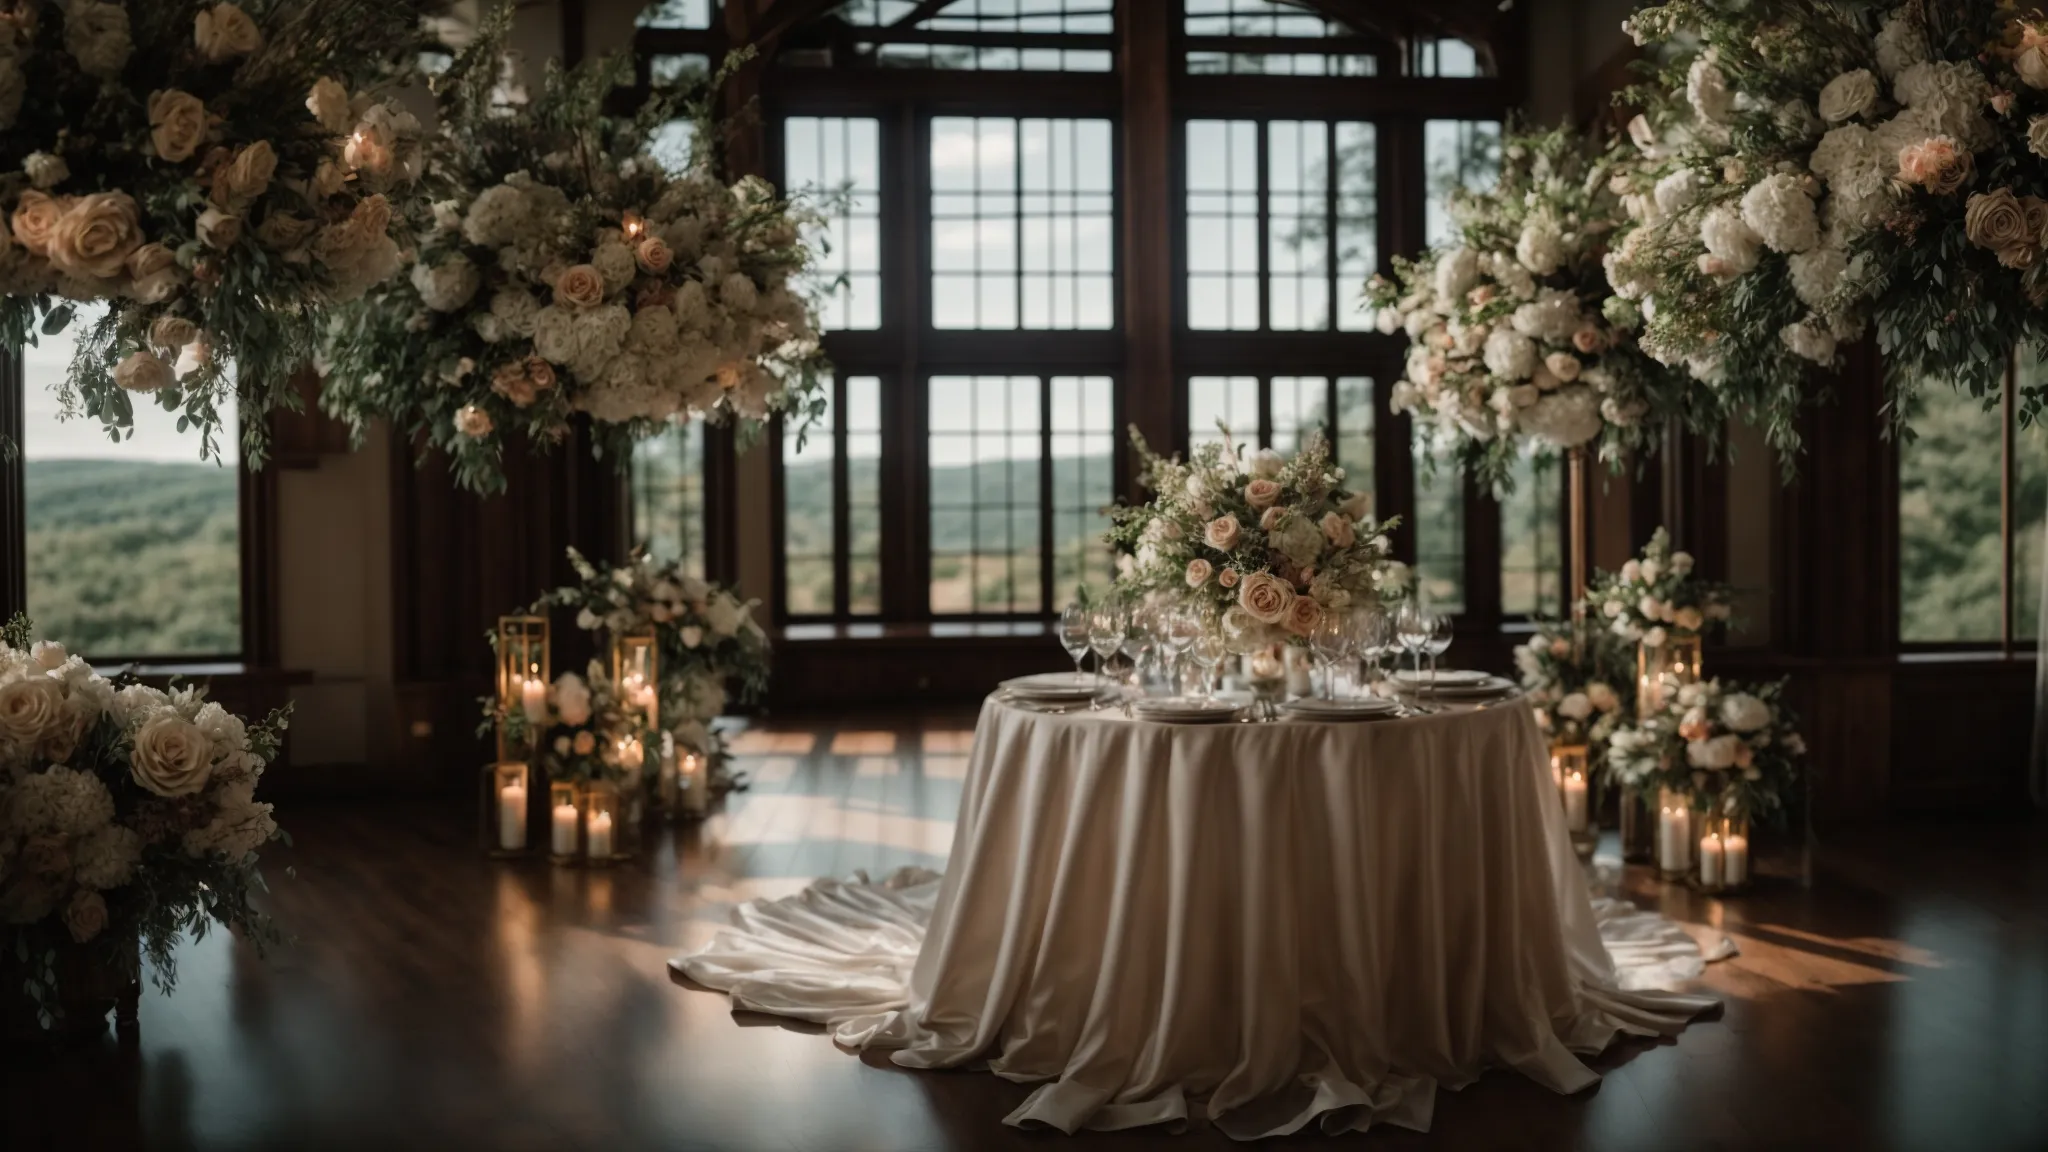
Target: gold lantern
column 1662, row 669
column 1571, row 769
column 602, row 820
column 636, row 674
column 504, row 820
column 523, row 670
column 1723, row 854
column 565, row 822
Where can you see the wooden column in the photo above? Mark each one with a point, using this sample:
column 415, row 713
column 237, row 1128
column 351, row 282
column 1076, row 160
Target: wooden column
column 13, row 510
column 1149, row 392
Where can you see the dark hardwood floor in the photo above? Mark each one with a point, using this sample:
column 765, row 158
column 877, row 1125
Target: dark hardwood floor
column 437, row 999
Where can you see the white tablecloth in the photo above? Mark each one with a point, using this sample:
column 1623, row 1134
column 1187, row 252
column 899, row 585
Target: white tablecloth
column 1297, row 922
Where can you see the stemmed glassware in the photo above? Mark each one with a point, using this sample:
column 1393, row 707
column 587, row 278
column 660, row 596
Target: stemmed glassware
column 1375, row 637
column 1141, row 638
column 1074, row 636
column 1209, row 652
column 1437, row 644
column 1178, row 632
column 1106, row 630
column 1331, row 639
column 1412, row 627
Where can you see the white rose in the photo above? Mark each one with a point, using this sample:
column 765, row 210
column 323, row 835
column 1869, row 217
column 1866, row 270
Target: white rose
column 1849, row 95
column 172, row 757
column 1742, row 712
column 2037, row 135
column 1780, row 212
column 144, row 372
column 1707, row 91
column 725, row 614
column 691, row 636
column 1603, row 696
column 224, row 32
column 1717, row 754
column 1731, row 240
column 329, row 104
column 572, row 699
column 1576, row 706
column 44, row 170
column 1811, row 339
column 473, row 422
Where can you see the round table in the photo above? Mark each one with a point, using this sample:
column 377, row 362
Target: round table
column 1298, row 922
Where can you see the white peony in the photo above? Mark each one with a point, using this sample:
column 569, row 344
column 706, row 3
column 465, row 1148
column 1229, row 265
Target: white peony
column 1810, row 338
column 1706, row 89
column 1567, row 418
column 1456, row 272
column 572, row 699
column 1576, row 706
column 1509, row 354
column 1677, row 191
column 1716, row 754
column 1742, row 712
column 1849, row 95
column 1816, row 274
column 1541, row 246
column 1780, row 212
column 447, row 286
column 1729, row 239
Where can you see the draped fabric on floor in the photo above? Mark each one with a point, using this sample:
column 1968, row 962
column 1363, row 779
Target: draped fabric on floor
column 1295, row 923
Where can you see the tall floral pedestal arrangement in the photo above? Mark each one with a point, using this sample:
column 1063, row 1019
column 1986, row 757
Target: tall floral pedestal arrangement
column 1577, row 681
column 518, row 715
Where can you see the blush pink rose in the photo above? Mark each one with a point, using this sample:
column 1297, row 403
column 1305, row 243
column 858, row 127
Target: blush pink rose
column 1270, row 519
column 1198, row 573
column 1227, row 578
column 1265, row 597
column 1262, row 493
column 1338, row 530
column 1303, row 615
column 1223, row 532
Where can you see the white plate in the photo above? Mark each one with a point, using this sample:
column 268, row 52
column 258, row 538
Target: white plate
column 1184, row 710
column 1052, row 686
column 1341, row 707
column 1349, row 716
column 1444, row 677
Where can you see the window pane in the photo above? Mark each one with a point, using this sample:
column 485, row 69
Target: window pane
column 1298, row 202
column 1456, row 154
column 837, row 161
column 1300, row 406
column 920, row 43
column 2030, row 507
column 1949, row 543
column 1353, row 440
column 668, row 496
column 1083, row 482
column 1357, row 220
column 133, row 549
column 809, row 494
column 864, row 495
column 1439, row 529
column 1223, row 224
column 1531, row 555
column 1450, row 59
column 677, row 14
column 1022, row 227
column 986, row 452
column 1233, row 400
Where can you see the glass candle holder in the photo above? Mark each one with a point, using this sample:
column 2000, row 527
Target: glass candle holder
column 636, row 673
column 523, row 671
column 1572, row 772
column 1638, row 828
column 502, row 810
column 1723, row 853
column 1662, row 669
column 1676, row 841
column 602, row 819
column 693, row 784
column 565, row 822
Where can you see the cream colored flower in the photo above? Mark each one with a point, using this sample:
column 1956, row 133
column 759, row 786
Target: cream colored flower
column 153, row 274
column 329, row 104
column 1303, row 614
column 172, row 333
column 172, row 756
column 219, row 230
column 93, row 238
column 30, row 709
column 1338, row 530
column 1265, row 597
column 246, row 177
column 285, row 232
column 1997, row 221
column 1198, row 572
column 35, row 215
column 86, row 916
column 1222, row 533
column 45, row 170
column 653, row 256
column 1262, row 493
column 1939, row 164
column 224, row 32
column 580, row 286
column 1357, row 506
column 473, row 422
column 177, row 124
column 144, row 372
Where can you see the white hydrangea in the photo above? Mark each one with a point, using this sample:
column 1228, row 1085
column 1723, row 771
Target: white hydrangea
column 1513, row 278
column 61, row 801
column 1900, row 44
column 1847, row 96
column 1780, row 212
column 1796, row 120
column 515, row 308
column 1817, row 273
column 1567, row 417
column 1677, row 191
column 106, row 858
column 1509, row 354
column 1456, row 272
column 1949, row 98
column 1540, row 248
column 1810, row 338
column 239, row 826
column 498, row 216
column 1552, row 316
column 446, row 286
column 614, row 262
column 137, row 703
column 1706, row 89
column 1730, row 240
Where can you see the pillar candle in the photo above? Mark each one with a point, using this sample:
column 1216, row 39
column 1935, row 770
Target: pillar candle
column 696, row 784
column 1735, row 860
column 1298, row 682
column 600, row 835
column 512, row 817
column 533, row 699
column 1673, row 838
column 1710, row 860
column 1575, row 801
column 565, row 829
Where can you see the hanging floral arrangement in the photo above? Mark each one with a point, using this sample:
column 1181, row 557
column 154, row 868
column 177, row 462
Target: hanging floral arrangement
column 1812, row 167
column 1517, row 343
column 562, row 269
column 219, row 174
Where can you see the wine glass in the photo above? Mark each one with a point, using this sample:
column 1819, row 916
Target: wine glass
column 1107, row 626
column 1375, row 634
column 1074, row 635
column 1412, row 626
column 1438, row 642
column 1330, row 639
column 1141, row 634
column 1179, row 631
column 1209, row 652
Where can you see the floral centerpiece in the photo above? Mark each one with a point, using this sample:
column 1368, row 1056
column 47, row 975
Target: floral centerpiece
column 127, row 815
column 1657, row 597
column 1264, row 545
column 1580, row 685
column 215, row 173
column 1809, row 167
column 562, row 269
column 1516, row 340
column 586, row 729
column 1734, row 749
column 706, row 639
